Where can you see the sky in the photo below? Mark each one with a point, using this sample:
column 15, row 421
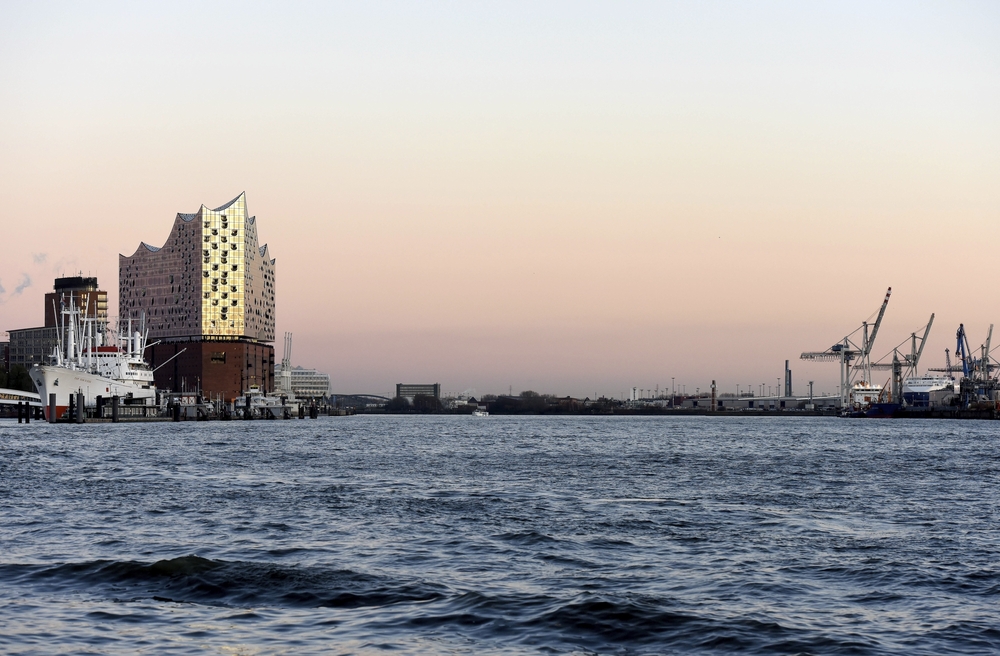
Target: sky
column 574, row 198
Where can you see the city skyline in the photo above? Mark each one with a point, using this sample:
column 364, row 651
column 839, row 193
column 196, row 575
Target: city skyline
column 559, row 198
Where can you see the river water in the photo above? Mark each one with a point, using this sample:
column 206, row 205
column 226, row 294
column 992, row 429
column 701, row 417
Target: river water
column 442, row 534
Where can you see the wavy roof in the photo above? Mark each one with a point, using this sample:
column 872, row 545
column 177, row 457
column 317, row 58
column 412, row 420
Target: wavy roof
column 188, row 217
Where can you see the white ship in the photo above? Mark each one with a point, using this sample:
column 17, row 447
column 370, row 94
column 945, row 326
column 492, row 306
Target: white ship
column 919, row 391
column 83, row 363
column 864, row 394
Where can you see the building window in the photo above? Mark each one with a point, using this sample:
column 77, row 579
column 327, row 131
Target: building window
column 219, row 357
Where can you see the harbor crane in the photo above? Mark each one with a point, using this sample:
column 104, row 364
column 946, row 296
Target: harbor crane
column 948, row 367
column 285, row 381
column 978, row 381
column 854, row 358
column 907, row 366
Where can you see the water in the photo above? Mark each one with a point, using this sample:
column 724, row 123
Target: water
column 501, row 535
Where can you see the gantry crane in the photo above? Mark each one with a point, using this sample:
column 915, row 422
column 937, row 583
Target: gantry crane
column 907, row 366
column 978, row 381
column 846, row 352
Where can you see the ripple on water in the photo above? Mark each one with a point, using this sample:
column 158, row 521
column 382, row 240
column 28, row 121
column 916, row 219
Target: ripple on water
column 441, row 534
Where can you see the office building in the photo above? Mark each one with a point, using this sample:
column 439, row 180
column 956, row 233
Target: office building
column 409, row 392
column 307, row 383
column 86, row 296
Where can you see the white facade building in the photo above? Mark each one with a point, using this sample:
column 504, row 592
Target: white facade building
column 307, row 383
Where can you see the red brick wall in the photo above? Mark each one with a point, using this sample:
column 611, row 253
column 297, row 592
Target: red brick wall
column 219, row 368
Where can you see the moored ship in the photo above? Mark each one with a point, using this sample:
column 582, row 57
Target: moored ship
column 864, row 394
column 925, row 391
column 82, row 363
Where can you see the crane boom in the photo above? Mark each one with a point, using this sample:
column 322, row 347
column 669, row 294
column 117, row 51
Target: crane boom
column 962, row 348
column 923, row 340
column 985, row 362
column 878, row 322
column 853, row 358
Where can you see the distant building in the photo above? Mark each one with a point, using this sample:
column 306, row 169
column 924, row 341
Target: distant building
column 408, row 392
column 31, row 346
column 5, row 355
column 207, row 295
column 86, row 296
column 307, row 383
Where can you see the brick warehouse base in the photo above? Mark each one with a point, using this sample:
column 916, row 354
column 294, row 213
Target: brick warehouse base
column 226, row 368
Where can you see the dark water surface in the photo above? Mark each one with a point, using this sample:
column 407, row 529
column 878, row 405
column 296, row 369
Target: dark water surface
column 501, row 535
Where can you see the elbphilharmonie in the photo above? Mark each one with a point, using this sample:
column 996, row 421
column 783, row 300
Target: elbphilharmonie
column 207, row 298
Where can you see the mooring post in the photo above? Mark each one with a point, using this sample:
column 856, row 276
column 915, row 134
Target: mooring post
column 27, row 412
column 114, row 409
column 19, row 411
column 52, row 408
column 79, row 408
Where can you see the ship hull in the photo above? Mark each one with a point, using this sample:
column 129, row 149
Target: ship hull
column 63, row 381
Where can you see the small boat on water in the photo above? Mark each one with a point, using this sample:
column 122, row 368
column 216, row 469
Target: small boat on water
column 84, row 363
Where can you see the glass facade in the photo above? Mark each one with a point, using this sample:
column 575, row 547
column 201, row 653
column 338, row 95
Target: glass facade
column 210, row 279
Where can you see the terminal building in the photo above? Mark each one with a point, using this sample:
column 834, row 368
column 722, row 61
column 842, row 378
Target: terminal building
column 31, row 346
column 207, row 297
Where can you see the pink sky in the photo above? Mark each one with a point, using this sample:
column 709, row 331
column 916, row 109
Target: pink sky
column 567, row 198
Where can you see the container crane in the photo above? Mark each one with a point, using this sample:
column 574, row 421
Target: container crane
column 846, row 352
column 907, row 366
column 978, row 382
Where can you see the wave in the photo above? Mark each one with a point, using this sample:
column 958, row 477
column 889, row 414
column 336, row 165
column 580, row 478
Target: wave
column 193, row 579
column 591, row 621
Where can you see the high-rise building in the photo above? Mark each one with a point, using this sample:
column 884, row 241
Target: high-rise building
column 207, row 295
column 31, row 346
column 86, row 296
